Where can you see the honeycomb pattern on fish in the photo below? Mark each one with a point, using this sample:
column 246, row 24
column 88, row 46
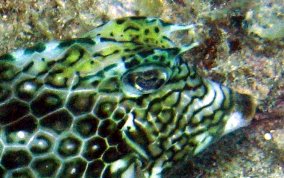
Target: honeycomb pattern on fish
column 118, row 101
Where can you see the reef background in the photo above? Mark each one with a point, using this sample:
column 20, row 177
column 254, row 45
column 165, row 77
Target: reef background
column 242, row 46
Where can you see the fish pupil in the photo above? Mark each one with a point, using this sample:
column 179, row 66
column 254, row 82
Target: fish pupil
column 149, row 82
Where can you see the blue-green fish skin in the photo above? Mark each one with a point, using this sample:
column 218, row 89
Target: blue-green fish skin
column 118, row 102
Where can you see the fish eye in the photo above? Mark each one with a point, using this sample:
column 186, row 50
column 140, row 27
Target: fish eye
column 145, row 79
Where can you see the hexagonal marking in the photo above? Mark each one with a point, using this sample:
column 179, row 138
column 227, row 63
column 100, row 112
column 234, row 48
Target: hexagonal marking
column 81, row 103
column 69, row 146
column 95, row 168
column 11, row 161
column 27, row 88
column 86, row 126
column 21, row 131
column 58, row 121
column 41, row 143
column 46, row 166
column 104, row 109
column 73, row 168
column 94, row 148
column 46, row 102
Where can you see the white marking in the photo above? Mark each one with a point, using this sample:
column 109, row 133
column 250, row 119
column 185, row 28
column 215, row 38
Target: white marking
column 73, row 171
column 205, row 142
column 219, row 96
column 235, row 121
column 156, row 170
column 129, row 126
column 129, row 173
column 21, row 134
column 28, row 86
column 42, row 143
column 198, row 103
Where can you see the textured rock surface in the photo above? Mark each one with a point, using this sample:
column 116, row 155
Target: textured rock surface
column 233, row 51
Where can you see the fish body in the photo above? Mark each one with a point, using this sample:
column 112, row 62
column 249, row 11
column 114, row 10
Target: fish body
column 118, row 102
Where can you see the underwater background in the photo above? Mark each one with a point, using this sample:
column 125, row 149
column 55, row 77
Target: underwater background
column 242, row 46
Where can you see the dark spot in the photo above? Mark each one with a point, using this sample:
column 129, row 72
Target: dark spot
column 127, row 50
column 132, row 63
column 165, row 23
column 146, row 53
column 157, row 30
column 95, row 83
column 110, row 67
column 120, row 21
column 138, row 18
column 146, row 40
column 7, row 57
column 100, row 74
column 40, row 47
column 147, row 31
column 28, row 66
column 135, row 38
column 107, row 39
column 131, row 28
column 70, row 42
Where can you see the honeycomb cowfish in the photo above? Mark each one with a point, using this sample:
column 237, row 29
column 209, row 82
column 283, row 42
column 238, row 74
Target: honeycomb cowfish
column 118, row 102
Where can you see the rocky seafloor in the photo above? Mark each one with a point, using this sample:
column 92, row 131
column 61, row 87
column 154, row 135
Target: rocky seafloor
column 242, row 46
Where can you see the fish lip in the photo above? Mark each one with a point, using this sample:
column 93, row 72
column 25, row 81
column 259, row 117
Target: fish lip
column 236, row 120
column 242, row 114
